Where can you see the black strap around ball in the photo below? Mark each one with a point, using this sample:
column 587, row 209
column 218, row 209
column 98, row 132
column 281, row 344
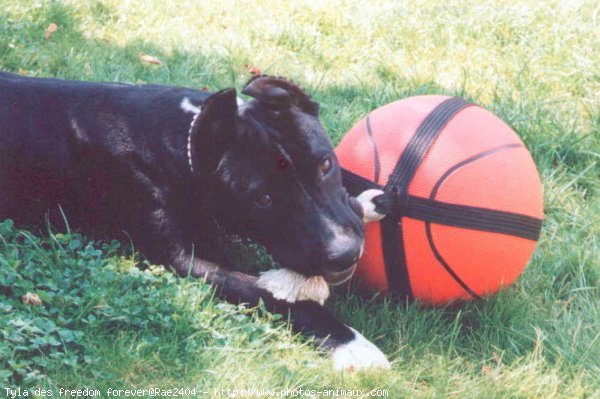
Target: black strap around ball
column 396, row 203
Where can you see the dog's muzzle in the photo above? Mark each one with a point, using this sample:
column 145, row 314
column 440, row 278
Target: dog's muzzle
column 337, row 278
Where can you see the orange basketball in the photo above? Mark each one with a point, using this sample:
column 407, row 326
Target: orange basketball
column 463, row 199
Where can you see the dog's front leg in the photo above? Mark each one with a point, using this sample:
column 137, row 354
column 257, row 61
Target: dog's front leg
column 158, row 238
column 349, row 349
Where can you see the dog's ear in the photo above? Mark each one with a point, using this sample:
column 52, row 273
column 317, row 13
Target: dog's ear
column 280, row 93
column 213, row 130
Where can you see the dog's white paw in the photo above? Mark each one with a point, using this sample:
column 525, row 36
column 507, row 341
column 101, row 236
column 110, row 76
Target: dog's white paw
column 358, row 354
column 366, row 201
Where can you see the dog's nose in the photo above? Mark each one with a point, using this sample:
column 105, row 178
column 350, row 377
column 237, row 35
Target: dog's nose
column 341, row 257
column 355, row 206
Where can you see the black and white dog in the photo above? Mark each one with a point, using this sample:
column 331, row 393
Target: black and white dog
column 172, row 167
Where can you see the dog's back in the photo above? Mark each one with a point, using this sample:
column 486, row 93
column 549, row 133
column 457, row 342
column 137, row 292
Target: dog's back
column 56, row 134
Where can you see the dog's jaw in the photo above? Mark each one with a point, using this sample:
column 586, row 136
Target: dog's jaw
column 290, row 286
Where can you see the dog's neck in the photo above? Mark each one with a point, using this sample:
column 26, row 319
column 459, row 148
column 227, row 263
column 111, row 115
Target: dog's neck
column 189, row 141
column 187, row 106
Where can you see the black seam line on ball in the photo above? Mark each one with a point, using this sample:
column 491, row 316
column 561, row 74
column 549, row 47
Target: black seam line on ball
column 392, row 236
column 454, row 215
column 394, row 258
column 441, row 260
column 473, row 218
column 376, row 161
column 445, row 265
column 419, row 143
column 499, row 221
column 469, row 160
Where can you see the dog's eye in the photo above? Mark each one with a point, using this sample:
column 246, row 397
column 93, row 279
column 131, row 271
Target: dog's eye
column 264, row 200
column 326, row 165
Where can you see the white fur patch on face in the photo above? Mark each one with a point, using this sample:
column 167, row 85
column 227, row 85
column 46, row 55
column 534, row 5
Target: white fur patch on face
column 358, row 354
column 366, row 201
column 290, row 286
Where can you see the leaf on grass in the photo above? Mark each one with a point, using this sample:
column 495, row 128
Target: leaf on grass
column 31, row 299
column 497, row 358
column 50, row 30
column 253, row 70
column 150, row 59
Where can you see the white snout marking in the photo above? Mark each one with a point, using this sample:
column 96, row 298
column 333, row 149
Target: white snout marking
column 358, row 354
column 366, row 201
column 341, row 239
column 290, row 286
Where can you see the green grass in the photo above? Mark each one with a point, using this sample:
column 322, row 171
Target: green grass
column 106, row 324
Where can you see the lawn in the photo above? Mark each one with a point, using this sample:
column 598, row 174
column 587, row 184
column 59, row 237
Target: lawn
column 105, row 324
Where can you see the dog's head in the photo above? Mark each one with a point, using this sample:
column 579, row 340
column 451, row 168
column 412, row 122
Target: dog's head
column 280, row 179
